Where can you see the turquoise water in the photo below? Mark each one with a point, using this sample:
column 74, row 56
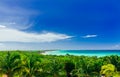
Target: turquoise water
column 84, row 52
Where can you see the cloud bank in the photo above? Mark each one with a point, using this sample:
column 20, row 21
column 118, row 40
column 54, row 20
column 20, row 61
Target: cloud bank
column 14, row 35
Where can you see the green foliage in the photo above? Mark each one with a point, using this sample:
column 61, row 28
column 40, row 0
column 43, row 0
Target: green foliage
column 31, row 66
column 69, row 66
column 10, row 64
column 108, row 70
column 34, row 64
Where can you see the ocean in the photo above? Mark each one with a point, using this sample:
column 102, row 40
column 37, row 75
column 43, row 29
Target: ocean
column 84, row 52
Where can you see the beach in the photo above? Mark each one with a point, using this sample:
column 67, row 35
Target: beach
column 83, row 52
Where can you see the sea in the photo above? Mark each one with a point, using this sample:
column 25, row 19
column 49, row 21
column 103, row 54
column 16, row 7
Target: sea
column 98, row 53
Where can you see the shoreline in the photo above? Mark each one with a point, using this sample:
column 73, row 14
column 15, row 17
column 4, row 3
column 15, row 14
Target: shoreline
column 98, row 53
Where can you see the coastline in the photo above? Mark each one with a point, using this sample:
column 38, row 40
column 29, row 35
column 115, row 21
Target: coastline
column 98, row 53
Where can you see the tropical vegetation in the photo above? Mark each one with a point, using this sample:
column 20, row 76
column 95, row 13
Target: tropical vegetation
column 34, row 64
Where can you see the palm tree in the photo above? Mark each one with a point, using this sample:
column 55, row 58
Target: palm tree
column 108, row 70
column 55, row 67
column 31, row 66
column 78, row 71
column 69, row 66
column 10, row 64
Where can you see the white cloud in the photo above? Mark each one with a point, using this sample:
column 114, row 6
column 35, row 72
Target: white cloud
column 2, row 26
column 15, row 16
column 7, row 9
column 14, row 35
column 89, row 36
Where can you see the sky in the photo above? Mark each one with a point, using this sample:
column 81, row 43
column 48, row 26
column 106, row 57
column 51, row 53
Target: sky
column 59, row 24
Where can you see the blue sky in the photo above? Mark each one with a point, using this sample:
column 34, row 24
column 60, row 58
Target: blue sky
column 59, row 24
